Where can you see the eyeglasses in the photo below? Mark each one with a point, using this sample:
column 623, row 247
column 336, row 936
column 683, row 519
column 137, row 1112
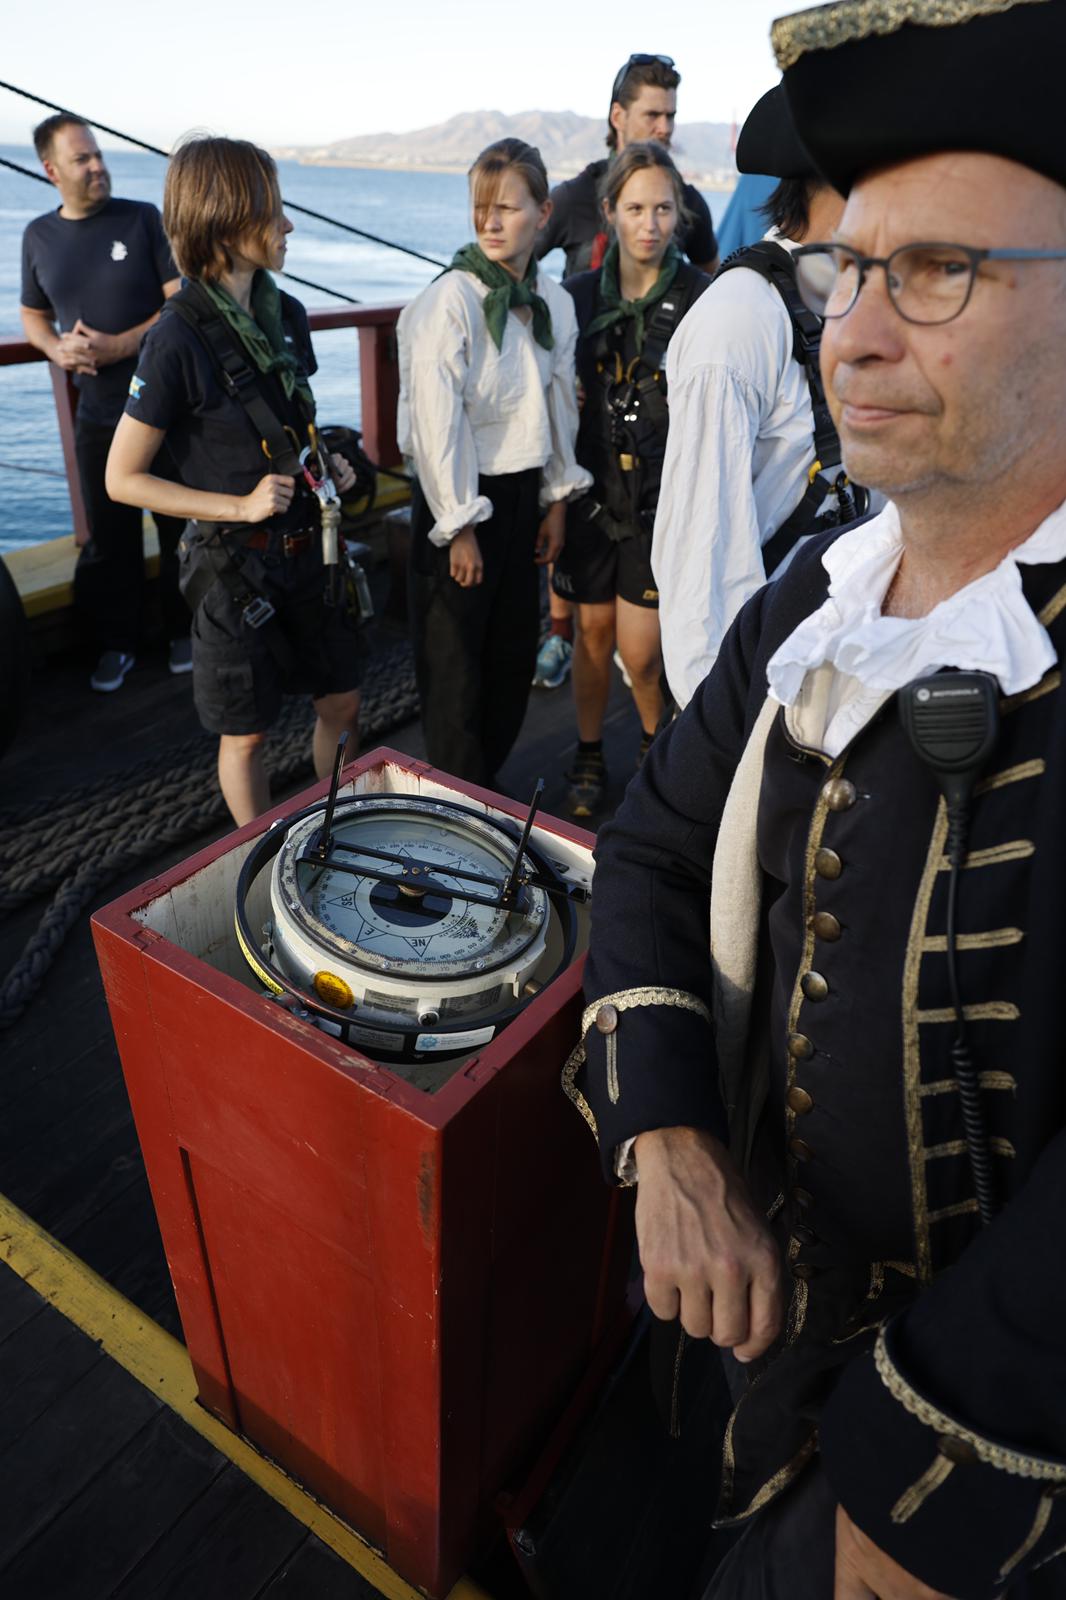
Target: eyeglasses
column 636, row 61
column 927, row 283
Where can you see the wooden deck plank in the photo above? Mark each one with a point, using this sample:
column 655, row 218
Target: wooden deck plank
column 121, row 1242
column 52, row 1461
column 119, row 1518
column 18, row 1305
column 38, row 1364
column 315, row 1573
column 227, row 1546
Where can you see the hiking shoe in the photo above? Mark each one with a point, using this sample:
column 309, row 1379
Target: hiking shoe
column 111, row 669
column 588, row 780
column 180, row 659
column 553, row 662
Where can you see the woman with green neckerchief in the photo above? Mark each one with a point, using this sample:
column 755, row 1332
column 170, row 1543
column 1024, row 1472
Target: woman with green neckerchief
column 487, row 420
column 627, row 312
column 265, row 620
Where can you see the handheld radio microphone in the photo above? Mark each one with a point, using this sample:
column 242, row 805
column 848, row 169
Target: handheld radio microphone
column 952, row 721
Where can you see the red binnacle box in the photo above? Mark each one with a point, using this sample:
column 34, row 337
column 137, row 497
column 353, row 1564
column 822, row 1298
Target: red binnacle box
column 394, row 1291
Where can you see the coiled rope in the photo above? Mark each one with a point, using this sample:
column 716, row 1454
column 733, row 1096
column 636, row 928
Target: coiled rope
column 74, row 846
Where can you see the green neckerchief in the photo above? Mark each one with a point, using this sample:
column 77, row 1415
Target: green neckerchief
column 261, row 334
column 505, row 292
column 611, row 296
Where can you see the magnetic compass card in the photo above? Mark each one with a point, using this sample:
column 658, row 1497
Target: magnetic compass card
column 404, row 889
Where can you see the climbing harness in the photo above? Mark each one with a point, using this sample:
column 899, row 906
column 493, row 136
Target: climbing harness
column 774, row 263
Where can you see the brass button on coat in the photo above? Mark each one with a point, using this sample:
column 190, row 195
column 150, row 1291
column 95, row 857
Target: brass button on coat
column 800, row 1149
column 959, row 1451
column 826, row 926
column 840, row 795
column 827, row 864
column 803, row 1271
column 607, row 1019
column 800, row 1047
column 814, row 986
column 799, row 1101
column 802, row 1198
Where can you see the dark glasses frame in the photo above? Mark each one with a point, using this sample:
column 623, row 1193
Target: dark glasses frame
column 973, row 254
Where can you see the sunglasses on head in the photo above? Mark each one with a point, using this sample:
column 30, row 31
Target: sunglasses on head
column 638, row 60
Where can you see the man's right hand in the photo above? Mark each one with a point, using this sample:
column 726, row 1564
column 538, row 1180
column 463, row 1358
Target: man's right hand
column 707, row 1254
column 271, row 495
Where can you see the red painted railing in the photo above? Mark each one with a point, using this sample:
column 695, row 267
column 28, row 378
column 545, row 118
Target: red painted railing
column 379, row 385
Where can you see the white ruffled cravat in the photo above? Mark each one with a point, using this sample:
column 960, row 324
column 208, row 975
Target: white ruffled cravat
column 987, row 626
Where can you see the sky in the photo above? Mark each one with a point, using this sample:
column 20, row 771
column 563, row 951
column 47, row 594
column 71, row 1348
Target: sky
column 357, row 68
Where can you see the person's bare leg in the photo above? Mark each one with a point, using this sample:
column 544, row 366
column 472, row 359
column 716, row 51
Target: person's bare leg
column 640, row 648
column 242, row 775
column 560, row 610
column 591, row 671
column 336, row 714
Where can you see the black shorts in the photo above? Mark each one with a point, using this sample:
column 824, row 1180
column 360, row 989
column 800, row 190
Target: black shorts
column 594, row 569
column 241, row 673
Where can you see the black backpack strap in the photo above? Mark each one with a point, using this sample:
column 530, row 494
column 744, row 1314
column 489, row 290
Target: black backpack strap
column 774, row 263
column 665, row 318
column 238, row 377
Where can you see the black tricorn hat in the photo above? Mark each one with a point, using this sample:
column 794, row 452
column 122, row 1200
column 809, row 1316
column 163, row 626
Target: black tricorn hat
column 769, row 142
column 874, row 82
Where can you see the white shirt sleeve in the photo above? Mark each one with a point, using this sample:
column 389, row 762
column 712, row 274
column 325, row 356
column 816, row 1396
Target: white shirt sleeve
column 706, row 549
column 437, row 434
column 563, row 477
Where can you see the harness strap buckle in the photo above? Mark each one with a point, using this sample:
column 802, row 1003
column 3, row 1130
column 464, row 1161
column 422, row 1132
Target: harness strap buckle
column 257, row 612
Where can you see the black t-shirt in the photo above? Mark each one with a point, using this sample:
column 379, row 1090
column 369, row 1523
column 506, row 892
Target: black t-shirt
column 577, row 218
column 212, row 442
column 107, row 269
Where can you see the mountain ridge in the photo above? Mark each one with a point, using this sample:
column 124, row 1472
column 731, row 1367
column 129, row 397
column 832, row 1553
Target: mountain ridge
column 567, row 141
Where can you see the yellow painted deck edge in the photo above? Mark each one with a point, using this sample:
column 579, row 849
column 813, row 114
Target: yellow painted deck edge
column 161, row 1363
column 44, row 573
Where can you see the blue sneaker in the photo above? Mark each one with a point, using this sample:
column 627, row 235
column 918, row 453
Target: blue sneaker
column 553, row 662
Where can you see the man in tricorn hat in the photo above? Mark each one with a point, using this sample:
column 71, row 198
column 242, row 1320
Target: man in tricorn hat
column 847, row 1117
column 752, row 455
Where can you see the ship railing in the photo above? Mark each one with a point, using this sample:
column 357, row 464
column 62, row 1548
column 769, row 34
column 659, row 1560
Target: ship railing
column 379, row 387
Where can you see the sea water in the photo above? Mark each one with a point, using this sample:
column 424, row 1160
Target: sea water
column 425, row 210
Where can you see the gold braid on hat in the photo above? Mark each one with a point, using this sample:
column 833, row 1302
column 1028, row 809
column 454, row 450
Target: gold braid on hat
column 824, row 27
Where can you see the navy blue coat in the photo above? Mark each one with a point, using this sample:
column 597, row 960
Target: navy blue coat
column 924, row 1357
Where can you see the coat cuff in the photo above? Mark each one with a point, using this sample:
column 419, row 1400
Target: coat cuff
column 966, row 1514
column 633, row 1070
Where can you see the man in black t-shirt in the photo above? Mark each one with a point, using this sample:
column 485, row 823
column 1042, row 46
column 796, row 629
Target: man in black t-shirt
column 95, row 274
column 643, row 106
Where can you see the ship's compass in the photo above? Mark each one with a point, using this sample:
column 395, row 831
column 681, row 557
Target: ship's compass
column 416, row 927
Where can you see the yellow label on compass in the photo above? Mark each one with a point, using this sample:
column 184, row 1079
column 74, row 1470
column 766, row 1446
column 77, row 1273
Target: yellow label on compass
column 333, row 990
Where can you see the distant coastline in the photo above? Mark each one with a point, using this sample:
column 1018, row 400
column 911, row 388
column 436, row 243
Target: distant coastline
column 568, row 143
column 714, row 183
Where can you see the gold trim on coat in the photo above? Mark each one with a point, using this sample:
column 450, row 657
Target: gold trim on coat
column 1002, row 1457
column 1048, row 684
column 993, row 939
column 912, row 1055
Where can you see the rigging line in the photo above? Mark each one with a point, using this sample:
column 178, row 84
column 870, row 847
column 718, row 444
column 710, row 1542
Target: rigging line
column 153, row 149
column 26, row 173
column 44, row 472
column 307, row 283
